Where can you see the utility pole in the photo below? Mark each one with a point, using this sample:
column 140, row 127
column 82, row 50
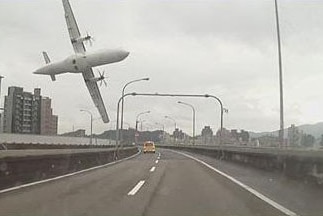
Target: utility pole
column 281, row 131
column 193, row 118
column 1, row 108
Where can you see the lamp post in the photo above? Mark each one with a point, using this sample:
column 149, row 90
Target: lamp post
column 163, row 127
column 1, row 77
column 1, row 108
column 281, row 93
column 91, row 123
column 168, row 117
column 137, row 121
column 122, row 102
column 193, row 109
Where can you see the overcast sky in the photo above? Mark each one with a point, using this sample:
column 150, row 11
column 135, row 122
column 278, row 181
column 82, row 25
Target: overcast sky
column 226, row 48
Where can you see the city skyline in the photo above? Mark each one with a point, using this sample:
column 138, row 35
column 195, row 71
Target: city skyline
column 234, row 59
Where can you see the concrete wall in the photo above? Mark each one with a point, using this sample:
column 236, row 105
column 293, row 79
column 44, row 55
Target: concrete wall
column 39, row 139
column 19, row 167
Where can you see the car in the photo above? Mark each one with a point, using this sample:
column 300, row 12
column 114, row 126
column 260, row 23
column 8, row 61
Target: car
column 149, row 146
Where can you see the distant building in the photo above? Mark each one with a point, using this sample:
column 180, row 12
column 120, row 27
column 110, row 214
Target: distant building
column 23, row 112
column 48, row 123
column 207, row 134
column 178, row 134
column 234, row 137
column 294, row 136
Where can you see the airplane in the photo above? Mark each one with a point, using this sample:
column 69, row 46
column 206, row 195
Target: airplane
column 82, row 61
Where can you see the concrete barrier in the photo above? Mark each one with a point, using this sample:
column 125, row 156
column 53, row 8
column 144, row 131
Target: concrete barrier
column 23, row 166
column 52, row 140
column 306, row 165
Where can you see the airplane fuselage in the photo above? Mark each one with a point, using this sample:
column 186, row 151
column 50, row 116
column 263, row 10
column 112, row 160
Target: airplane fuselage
column 80, row 62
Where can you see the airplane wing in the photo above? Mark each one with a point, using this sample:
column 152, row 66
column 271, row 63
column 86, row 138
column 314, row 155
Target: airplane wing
column 95, row 94
column 79, row 47
column 73, row 29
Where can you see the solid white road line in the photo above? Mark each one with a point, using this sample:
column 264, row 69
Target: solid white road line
column 246, row 187
column 67, row 175
column 136, row 188
column 152, row 169
column 156, row 161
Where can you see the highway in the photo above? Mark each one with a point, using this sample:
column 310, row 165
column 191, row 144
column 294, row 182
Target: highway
column 165, row 183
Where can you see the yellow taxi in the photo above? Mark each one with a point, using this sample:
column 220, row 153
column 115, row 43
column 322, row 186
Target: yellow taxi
column 149, row 146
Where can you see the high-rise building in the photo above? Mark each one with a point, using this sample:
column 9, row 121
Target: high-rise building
column 48, row 123
column 23, row 112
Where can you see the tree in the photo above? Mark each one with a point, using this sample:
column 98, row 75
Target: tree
column 321, row 142
column 307, row 140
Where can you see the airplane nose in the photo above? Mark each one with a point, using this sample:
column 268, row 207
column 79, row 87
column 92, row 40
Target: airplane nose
column 124, row 54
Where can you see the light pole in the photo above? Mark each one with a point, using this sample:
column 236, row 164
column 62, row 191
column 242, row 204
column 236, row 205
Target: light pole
column 168, row 117
column 137, row 121
column 163, row 126
column 1, row 108
column 122, row 102
column 193, row 109
column 141, row 121
column 1, row 77
column 281, row 93
column 91, row 123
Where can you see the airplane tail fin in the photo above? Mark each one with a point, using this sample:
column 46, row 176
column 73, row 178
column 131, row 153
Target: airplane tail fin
column 47, row 60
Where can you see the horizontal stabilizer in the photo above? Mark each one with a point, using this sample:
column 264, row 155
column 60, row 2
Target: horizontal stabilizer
column 53, row 77
column 47, row 60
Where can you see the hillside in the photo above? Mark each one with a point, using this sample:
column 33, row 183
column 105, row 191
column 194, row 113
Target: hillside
column 314, row 129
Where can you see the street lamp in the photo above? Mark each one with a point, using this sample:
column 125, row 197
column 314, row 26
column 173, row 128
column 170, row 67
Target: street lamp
column 91, row 123
column 163, row 127
column 193, row 109
column 122, row 102
column 1, row 77
column 137, row 121
column 168, row 117
column 137, row 118
column 281, row 131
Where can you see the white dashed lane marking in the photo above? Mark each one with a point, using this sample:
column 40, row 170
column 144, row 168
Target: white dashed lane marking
column 136, row 188
column 152, row 169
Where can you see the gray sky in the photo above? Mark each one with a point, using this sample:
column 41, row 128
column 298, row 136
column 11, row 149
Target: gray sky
column 225, row 48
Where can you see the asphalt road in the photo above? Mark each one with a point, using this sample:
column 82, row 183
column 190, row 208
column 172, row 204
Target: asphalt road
column 165, row 183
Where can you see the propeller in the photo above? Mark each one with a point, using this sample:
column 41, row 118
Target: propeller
column 102, row 78
column 89, row 39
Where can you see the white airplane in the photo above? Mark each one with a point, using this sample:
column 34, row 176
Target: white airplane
column 82, row 61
